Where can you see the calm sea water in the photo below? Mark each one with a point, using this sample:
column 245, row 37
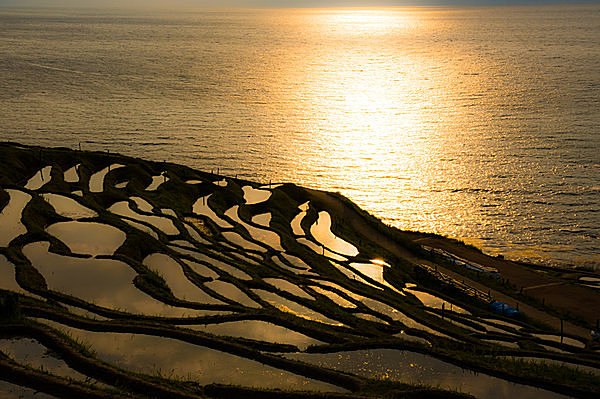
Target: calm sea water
column 481, row 124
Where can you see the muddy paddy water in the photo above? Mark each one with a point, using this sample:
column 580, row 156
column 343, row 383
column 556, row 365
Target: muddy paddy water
column 157, row 181
column 267, row 237
column 225, row 280
column 39, row 179
column 321, row 250
column 12, row 391
column 88, row 238
column 435, row 302
column 68, row 207
column 176, row 280
column 231, row 292
column 259, row 330
column 10, row 217
column 262, row 219
column 201, row 207
column 288, row 306
column 30, row 352
column 411, row 367
column 321, row 231
column 171, row 358
column 8, row 280
column 164, row 224
column 255, row 196
column 71, row 175
column 97, row 179
column 103, row 282
column 285, row 285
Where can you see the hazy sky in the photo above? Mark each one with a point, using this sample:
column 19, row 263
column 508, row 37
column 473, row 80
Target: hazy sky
column 274, row 3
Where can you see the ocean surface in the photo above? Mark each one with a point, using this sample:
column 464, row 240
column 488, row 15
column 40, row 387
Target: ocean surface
column 481, row 124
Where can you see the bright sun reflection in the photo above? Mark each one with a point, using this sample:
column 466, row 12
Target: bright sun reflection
column 380, row 262
column 369, row 95
column 365, row 96
column 372, row 21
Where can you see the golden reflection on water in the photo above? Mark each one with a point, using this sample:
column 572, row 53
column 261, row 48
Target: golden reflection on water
column 364, row 105
column 421, row 121
column 466, row 122
column 360, row 22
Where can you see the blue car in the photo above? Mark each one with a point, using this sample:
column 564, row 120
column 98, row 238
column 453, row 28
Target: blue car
column 504, row 309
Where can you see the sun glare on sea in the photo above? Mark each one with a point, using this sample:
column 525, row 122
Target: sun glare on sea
column 365, row 95
column 371, row 21
column 369, row 92
column 367, row 88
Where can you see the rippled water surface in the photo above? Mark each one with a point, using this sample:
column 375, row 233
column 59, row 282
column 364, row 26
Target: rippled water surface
column 481, row 124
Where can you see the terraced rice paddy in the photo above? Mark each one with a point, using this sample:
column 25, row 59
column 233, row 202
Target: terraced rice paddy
column 40, row 178
column 164, row 224
column 88, row 238
column 68, row 207
column 259, row 330
column 392, row 364
column 10, row 218
column 72, row 174
column 157, row 181
column 220, row 281
column 255, row 196
column 321, row 231
column 30, row 352
column 97, row 179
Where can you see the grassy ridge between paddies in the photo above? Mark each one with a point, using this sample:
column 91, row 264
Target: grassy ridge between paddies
column 377, row 315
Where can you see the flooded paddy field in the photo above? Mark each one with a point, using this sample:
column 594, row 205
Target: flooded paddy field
column 167, row 280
